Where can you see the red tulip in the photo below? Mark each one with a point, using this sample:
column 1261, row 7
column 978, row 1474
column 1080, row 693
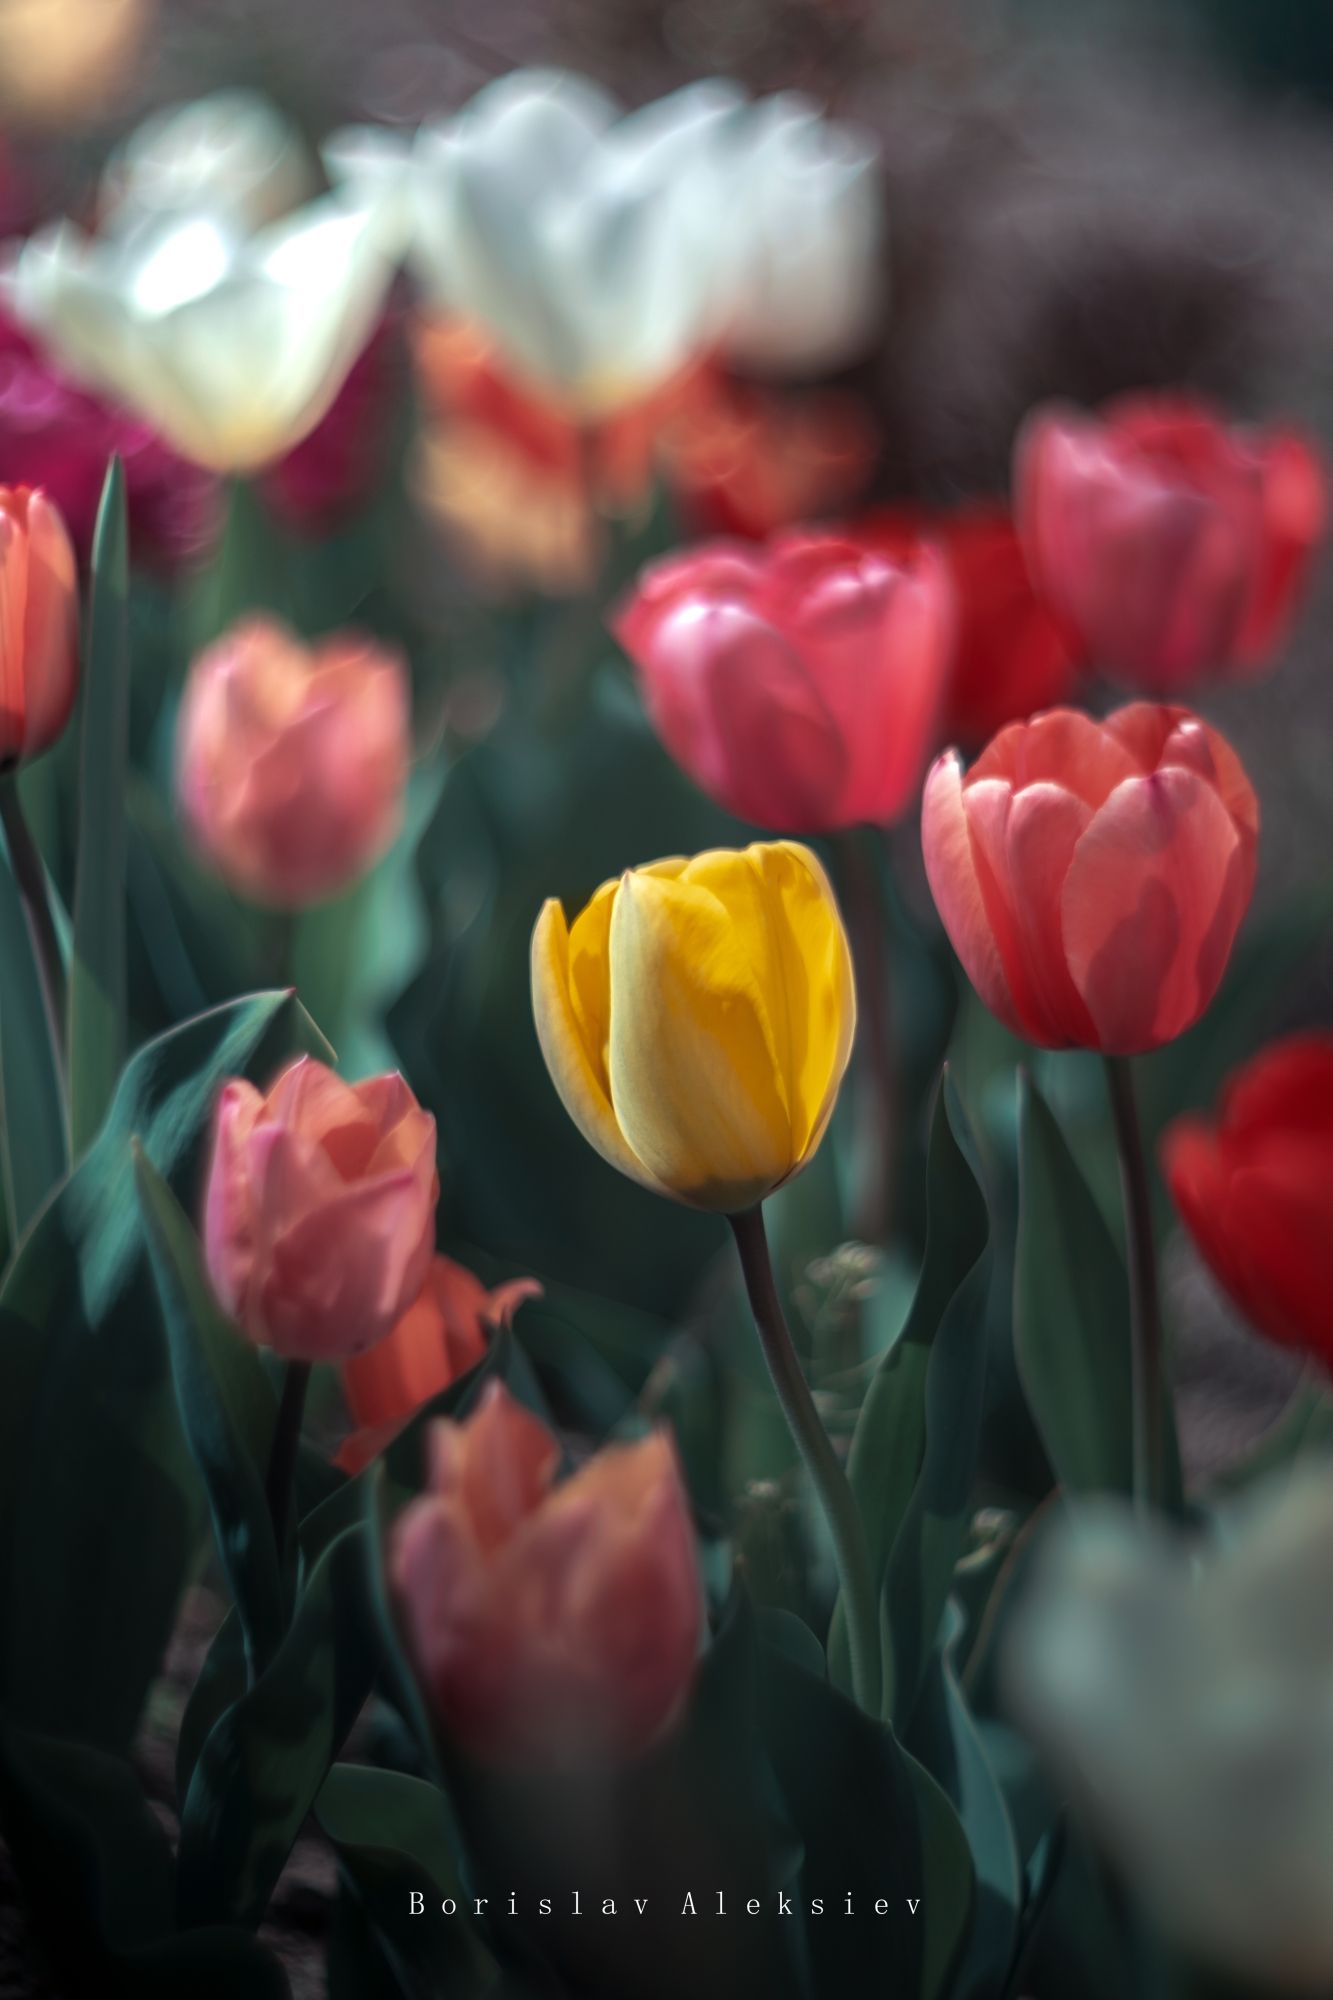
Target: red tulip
column 319, row 1212
column 1254, row 1187
column 1092, row 875
column 1012, row 657
column 799, row 683
column 1175, row 549
column 39, row 625
column 548, row 1624
column 291, row 761
column 438, row 1339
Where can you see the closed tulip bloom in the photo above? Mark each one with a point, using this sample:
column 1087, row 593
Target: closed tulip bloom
column 232, row 346
column 1254, row 1187
column 1092, row 875
column 291, row 761
column 319, row 1210
column 1011, row 656
column 438, row 1339
column 39, row 625
column 697, row 1019
column 1175, row 548
column 798, row 684
column 549, row 1624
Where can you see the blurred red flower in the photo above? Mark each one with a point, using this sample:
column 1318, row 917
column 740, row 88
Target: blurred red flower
column 1175, row 548
column 1254, row 1187
column 39, row 625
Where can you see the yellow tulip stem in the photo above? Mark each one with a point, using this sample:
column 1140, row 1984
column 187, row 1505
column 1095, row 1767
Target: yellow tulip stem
column 1147, row 1346
column 821, row 1460
column 30, row 880
column 282, row 1452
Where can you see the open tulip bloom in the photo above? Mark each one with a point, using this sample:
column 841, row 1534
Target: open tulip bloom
column 231, row 346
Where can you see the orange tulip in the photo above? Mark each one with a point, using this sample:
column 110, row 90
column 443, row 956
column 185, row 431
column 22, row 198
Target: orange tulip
column 39, row 624
column 291, row 761
column 548, row 1624
column 1092, row 875
column 319, row 1212
column 438, row 1339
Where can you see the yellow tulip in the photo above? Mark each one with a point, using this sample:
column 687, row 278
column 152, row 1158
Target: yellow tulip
column 697, row 1019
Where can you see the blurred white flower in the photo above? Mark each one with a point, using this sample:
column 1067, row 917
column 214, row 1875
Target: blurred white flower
column 805, row 278
column 231, row 346
column 233, row 155
column 1186, row 1697
column 583, row 241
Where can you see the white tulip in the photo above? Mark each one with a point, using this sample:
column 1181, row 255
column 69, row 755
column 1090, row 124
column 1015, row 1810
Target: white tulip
column 805, row 276
column 585, row 243
column 1185, row 1694
column 232, row 154
column 231, row 346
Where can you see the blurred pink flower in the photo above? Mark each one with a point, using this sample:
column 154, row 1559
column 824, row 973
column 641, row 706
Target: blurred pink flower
column 291, row 760
column 319, row 1212
column 55, row 434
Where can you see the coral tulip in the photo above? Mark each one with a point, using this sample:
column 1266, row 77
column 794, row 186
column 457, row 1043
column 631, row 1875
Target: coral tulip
column 1174, row 548
column 39, row 625
column 697, row 1020
column 438, row 1339
column 1254, row 1188
column 291, row 761
column 799, row 685
column 319, row 1211
column 1092, row 875
column 1011, row 655
column 550, row 1625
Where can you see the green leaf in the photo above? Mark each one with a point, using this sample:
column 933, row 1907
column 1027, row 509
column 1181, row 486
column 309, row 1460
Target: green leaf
column 1072, row 1316
column 99, row 1502
column 97, row 964
column 913, row 1451
column 1071, row 1311
column 949, row 1885
column 35, row 1152
column 228, row 1411
column 393, row 1835
column 264, row 1762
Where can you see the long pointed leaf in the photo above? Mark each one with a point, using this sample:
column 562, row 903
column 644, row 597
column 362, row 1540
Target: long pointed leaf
column 34, row 1148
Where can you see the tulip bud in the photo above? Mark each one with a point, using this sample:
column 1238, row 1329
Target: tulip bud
column 1092, row 875
column 1254, row 1187
column 319, row 1214
column 1175, row 550
column 438, row 1339
column 549, row 1625
column 291, row 760
column 697, row 1019
column 39, row 625
column 798, row 685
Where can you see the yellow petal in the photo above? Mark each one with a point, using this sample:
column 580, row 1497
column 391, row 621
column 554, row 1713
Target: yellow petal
column 696, row 1090
column 815, row 980
column 577, row 1066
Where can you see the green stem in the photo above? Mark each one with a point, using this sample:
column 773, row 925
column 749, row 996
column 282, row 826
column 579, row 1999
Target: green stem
column 278, row 949
column 821, row 1460
column 30, row 880
column 282, row 1454
column 1147, row 1350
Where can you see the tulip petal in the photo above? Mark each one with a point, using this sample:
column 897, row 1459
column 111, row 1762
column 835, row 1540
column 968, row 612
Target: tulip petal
column 815, row 980
column 577, row 1069
column 694, row 1081
column 955, row 884
column 1152, row 902
column 1043, row 828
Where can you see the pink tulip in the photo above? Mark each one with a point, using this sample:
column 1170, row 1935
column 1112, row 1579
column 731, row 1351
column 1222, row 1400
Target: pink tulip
column 39, row 625
column 1176, row 550
column 798, row 684
column 291, row 761
column 319, row 1212
column 549, row 1624
column 1092, row 875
